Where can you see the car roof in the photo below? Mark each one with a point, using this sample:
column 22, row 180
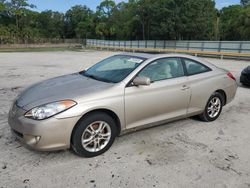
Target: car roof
column 147, row 56
column 159, row 55
column 140, row 55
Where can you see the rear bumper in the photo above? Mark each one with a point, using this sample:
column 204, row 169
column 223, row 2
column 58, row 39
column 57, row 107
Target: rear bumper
column 45, row 135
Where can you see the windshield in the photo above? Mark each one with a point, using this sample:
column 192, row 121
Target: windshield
column 113, row 69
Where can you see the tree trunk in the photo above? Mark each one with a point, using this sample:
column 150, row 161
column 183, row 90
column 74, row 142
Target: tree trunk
column 17, row 28
column 143, row 31
column 17, row 22
column 148, row 31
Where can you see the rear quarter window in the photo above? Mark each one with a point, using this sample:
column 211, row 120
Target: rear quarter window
column 194, row 67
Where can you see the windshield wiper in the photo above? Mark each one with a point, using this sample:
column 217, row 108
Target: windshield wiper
column 98, row 78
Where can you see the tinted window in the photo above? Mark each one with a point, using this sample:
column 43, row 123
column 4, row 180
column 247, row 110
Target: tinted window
column 163, row 69
column 194, row 67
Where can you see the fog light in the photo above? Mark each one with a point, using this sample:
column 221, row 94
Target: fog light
column 32, row 140
column 37, row 138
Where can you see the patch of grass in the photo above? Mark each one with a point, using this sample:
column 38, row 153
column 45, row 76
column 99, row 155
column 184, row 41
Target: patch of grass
column 39, row 49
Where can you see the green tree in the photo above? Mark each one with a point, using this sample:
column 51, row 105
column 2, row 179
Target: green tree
column 229, row 23
column 84, row 28
column 125, row 22
column 75, row 19
column 244, row 23
column 183, row 19
column 144, row 10
column 51, row 24
column 128, row 20
column 105, row 18
column 245, row 2
column 2, row 5
column 17, row 8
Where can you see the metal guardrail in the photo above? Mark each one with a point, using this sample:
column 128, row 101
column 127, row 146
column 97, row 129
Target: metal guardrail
column 222, row 49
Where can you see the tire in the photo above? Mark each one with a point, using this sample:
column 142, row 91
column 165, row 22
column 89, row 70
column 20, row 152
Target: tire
column 93, row 135
column 212, row 111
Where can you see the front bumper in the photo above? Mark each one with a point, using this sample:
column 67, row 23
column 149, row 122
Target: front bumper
column 44, row 135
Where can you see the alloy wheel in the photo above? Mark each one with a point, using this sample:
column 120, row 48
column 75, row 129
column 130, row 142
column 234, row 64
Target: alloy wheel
column 214, row 107
column 96, row 136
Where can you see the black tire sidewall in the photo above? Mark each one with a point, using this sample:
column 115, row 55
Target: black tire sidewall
column 205, row 115
column 83, row 124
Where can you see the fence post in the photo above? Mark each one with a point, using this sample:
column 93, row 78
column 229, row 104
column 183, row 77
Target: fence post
column 202, row 46
column 188, row 45
column 146, row 44
column 138, row 45
column 131, row 44
column 155, row 44
column 164, row 44
column 240, row 47
column 219, row 49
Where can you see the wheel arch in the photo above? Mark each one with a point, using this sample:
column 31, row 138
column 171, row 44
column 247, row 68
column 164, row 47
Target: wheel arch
column 101, row 110
column 222, row 92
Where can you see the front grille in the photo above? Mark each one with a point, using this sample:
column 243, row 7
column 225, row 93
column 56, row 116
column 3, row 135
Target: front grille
column 17, row 133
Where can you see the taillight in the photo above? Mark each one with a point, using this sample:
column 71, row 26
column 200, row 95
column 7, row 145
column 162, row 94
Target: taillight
column 230, row 75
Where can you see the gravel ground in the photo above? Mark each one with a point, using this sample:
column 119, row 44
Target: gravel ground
column 185, row 153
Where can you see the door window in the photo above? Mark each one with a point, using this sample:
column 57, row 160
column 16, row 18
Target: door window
column 163, row 69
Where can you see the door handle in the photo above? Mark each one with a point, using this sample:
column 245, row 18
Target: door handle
column 185, row 87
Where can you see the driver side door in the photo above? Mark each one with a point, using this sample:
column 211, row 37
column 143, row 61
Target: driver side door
column 166, row 98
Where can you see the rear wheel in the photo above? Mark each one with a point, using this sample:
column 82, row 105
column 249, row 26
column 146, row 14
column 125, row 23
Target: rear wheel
column 94, row 135
column 213, row 108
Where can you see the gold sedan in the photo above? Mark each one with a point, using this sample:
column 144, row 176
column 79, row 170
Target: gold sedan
column 86, row 111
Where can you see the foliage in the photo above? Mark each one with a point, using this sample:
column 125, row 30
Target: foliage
column 2, row 6
column 78, row 21
column 245, row 2
column 127, row 20
column 105, row 19
column 50, row 24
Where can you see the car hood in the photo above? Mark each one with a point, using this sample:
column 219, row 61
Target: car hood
column 70, row 86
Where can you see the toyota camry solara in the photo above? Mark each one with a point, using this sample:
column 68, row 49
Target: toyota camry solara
column 87, row 110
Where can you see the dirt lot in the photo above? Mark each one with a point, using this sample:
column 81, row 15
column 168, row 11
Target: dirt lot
column 186, row 153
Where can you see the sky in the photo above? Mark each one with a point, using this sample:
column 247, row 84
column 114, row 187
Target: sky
column 64, row 5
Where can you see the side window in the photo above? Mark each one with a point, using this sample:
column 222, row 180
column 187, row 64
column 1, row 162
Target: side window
column 194, row 67
column 162, row 69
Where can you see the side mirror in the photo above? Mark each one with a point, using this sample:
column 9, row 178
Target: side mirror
column 141, row 81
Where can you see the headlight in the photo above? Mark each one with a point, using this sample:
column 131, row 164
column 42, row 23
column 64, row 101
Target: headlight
column 49, row 110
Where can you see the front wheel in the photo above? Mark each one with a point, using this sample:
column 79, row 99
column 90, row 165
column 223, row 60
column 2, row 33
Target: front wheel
column 213, row 108
column 94, row 135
